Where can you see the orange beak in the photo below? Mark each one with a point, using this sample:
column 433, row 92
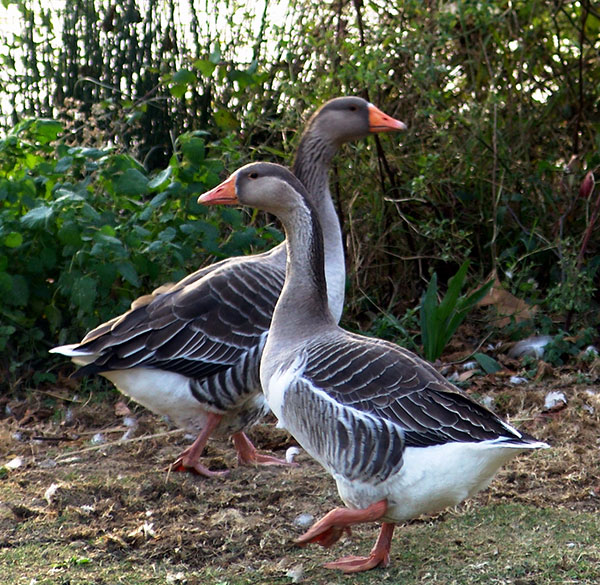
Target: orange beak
column 380, row 122
column 223, row 194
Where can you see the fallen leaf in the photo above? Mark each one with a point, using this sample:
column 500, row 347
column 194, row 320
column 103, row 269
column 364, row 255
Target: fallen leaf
column 544, row 369
column 464, row 376
column 121, row 409
column 507, row 306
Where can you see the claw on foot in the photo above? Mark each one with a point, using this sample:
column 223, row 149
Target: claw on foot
column 379, row 556
column 248, row 455
column 354, row 564
column 330, row 528
column 181, row 465
column 189, row 460
column 327, row 537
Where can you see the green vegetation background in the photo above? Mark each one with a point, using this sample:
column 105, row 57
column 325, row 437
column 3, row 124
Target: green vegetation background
column 121, row 114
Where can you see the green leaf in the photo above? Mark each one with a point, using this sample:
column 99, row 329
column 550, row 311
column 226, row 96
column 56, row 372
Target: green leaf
column 455, row 284
column 5, row 332
column 135, row 116
column 167, row 235
column 440, row 321
column 488, row 364
column 161, row 179
column 140, row 231
column 107, row 273
column 46, row 130
column 5, row 283
column 129, row 273
column 184, row 76
column 108, row 230
column 225, row 119
column 592, row 25
column 189, row 229
column 70, row 234
column 477, row 295
column 107, row 239
column 93, row 153
column 83, row 293
column 244, row 79
column 66, row 196
column 158, row 200
column 131, row 183
column 37, row 217
column 275, row 151
column 120, row 162
column 205, row 67
column 232, row 217
column 63, row 164
column 54, row 316
column 13, row 240
column 193, row 149
column 178, row 91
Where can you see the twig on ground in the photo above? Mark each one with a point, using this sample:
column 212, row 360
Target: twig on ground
column 119, row 442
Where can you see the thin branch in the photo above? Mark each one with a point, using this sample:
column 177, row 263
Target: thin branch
column 119, row 442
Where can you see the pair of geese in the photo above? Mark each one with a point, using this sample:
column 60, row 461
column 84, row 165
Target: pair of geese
column 216, row 350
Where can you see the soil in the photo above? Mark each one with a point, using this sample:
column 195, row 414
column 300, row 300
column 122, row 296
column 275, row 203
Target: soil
column 93, row 473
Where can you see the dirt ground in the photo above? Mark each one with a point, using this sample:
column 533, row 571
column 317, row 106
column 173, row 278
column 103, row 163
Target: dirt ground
column 85, row 482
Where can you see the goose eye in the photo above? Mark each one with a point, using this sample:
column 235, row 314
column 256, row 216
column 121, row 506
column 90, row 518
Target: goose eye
column 253, row 175
column 353, row 108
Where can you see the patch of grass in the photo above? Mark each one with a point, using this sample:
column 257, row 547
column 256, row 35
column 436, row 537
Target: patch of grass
column 494, row 544
column 504, row 543
column 117, row 517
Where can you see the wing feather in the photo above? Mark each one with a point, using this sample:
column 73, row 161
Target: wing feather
column 197, row 327
column 381, row 379
column 348, row 441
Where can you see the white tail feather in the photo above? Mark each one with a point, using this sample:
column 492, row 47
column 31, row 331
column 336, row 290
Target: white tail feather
column 80, row 357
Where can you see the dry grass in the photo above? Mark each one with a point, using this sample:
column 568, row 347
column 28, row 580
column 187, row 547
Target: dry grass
column 114, row 509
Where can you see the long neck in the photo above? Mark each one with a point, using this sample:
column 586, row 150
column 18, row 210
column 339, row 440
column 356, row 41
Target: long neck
column 303, row 305
column 311, row 166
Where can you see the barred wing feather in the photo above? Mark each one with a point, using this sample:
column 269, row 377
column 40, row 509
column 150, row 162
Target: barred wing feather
column 194, row 330
column 381, row 379
column 347, row 441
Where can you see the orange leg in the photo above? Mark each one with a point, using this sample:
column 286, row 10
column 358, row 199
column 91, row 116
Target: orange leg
column 380, row 554
column 331, row 527
column 189, row 459
column 247, row 453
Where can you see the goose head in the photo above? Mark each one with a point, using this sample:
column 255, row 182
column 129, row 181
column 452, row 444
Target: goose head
column 345, row 119
column 266, row 186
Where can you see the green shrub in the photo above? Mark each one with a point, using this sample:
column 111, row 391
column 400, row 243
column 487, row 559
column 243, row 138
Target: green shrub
column 440, row 320
column 84, row 231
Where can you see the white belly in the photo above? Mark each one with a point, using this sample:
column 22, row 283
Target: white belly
column 431, row 479
column 164, row 393
column 168, row 394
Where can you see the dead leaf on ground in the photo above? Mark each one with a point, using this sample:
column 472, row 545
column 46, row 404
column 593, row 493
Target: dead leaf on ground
column 507, row 306
column 121, row 409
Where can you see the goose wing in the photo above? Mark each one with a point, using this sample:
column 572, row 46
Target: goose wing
column 196, row 327
column 392, row 384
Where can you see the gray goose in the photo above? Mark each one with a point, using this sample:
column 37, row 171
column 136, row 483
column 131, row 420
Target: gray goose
column 397, row 437
column 190, row 351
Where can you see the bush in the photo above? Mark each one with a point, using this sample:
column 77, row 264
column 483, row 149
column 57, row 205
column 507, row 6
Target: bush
column 503, row 125
column 84, row 230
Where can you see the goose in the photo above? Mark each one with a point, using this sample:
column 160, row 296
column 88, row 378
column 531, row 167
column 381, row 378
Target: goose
column 190, row 351
column 397, row 437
